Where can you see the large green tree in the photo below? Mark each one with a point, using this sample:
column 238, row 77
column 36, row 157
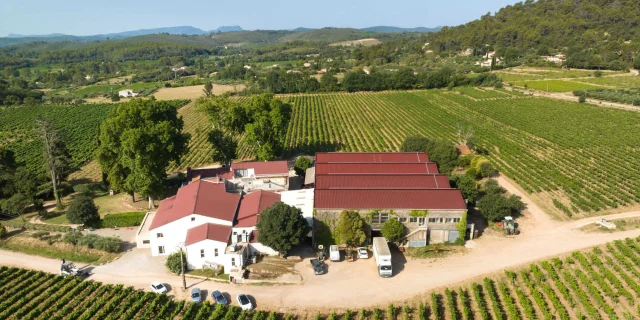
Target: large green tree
column 495, row 205
column 137, row 143
column 268, row 121
column 467, row 186
column 301, row 165
column 56, row 155
column 281, row 227
column 351, row 228
column 83, row 210
column 392, row 230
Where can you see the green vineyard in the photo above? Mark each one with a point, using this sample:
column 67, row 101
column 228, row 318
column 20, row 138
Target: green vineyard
column 581, row 158
column 601, row 283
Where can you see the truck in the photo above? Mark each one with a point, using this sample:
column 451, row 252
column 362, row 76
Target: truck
column 334, row 253
column 383, row 256
column 69, row 269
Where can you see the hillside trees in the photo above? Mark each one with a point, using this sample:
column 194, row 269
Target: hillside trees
column 138, row 141
column 281, row 227
column 351, row 228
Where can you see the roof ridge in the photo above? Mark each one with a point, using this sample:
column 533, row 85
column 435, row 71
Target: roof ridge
column 195, row 201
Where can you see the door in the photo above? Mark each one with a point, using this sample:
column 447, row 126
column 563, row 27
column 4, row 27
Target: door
column 453, row 235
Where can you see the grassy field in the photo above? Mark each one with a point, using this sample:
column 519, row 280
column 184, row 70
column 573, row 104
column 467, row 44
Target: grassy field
column 617, row 82
column 361, row 42
column 555, row 85
column 600, row 283
column 586, row 158
column 104, row 89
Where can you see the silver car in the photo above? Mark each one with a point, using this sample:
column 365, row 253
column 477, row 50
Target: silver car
column 244, row 302
column 195, row 295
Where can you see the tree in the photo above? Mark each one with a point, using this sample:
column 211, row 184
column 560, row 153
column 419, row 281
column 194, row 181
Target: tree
column 444, row 154
column 268, row 121
column 392, row 230
column 208, row 87
column 224, row 147
column 3, row 231
column 281, row 227
column 8, row 168
column 415, row 144
column 15, row 205
column 137, row 142
column 495, row 206
column 301, row 165
column 115, row 97
column 351, row 228
column 487, row 169
column 467, row 186
column 173, row 263
column 329, row 83
column 83, row 210
column 55, row 154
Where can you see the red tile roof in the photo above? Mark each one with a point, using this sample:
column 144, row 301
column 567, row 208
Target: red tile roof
column 208, row 231
column 371, row 157
column 202, row 198
column 376, row 168
column 197, row 174
column 424, row 199
column 264, row 168
column 252, row 205
column 350, row 181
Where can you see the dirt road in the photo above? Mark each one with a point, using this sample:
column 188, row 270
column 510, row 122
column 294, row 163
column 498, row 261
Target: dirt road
column 356, row 285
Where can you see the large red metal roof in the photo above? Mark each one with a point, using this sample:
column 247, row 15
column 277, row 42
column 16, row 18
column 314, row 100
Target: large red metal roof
column 203, row 198
column 252, row 206
column 208, row 231
column 263, row 168
column 376, row 168
column 421, row 199
column 351, row 181
column 372, row 157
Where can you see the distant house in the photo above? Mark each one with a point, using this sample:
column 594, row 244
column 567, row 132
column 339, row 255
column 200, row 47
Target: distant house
column 467, row 52
column 127, row 93
column 179, row 69
column 247, row 67
column 558, row 58
column 88, row 77
column 307, row 64
column 330, row 60
column 366, row 70
column 313, row 55
column 490, row 54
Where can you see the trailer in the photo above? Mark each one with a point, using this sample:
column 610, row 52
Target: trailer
column 383, row 256
column 334, row 253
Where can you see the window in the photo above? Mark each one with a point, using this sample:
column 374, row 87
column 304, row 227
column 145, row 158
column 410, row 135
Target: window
column 402, row 219
column 201, row 253
column 233, row 262
column 161, row 250
column 239, row 238
column 436, row 220
column 453, row 220
column 146, row 241
column 193, row 218
column 160, row 235
column 421, row 221
column 375, row 218
column 384, row 217
column 215, row 252
column 415, row 219
column 241, row 173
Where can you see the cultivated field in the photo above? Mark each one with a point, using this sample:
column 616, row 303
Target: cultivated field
column 601, row 283
column 556, row 85
column 193, row 92
column 362, row 42
column 574, row 159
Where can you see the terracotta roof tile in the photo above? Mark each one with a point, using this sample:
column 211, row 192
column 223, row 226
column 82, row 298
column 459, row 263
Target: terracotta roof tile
column 263, row 168
column 350, row 181
column 252, row 205
column 376, row 168
column 424, row 199
column 208, row 231
column 371, row 157
column 202, row 198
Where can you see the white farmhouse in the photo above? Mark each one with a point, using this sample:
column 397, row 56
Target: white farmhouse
column 127, row 93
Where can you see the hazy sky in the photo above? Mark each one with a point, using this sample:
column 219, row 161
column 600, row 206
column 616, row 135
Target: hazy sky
column 88, row 17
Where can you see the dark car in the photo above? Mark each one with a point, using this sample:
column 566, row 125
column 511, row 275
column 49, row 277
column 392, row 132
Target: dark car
column 318, row 266
column 218, row 297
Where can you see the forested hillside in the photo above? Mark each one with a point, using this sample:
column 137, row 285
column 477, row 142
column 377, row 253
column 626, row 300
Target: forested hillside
column 593, row 33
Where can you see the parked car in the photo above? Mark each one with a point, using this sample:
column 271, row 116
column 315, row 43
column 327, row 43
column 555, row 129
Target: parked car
column 318, row 266
column 195, row 295
column 334, row 253
column 244, row 302
column 158, row 287
column 363, row 253
column 218, row 297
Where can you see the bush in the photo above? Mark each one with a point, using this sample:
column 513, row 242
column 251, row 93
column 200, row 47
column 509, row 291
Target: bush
column 301, row 165
column 582, row 99
column 127, row 219
column 92, row 241
column 40, row 234
column 487, row 170
column 107, row 244
column 173, row 262
column 82, row 210
column 3, row 231
column 32, row 226
column 392, row 230
column 72, row 237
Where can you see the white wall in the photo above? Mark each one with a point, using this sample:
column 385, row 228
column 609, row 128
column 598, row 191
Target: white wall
column 301, row 199
column 175, row 232
column 239, row 231
column 196, row 261
column 259, row 248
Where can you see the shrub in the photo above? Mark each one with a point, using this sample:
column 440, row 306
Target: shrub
column 3, row 231
column 173, row 262
column 40, row 234
column 127, row 219
column 392, row 230
column 301, row 165
column 82, row 210
column 107, row 244
column 582, row 99
column 33, row 226
column 487, row 170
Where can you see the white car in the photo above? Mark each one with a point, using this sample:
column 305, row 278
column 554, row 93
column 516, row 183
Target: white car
column 244, row 302
column 158, row 287
column 363, row 253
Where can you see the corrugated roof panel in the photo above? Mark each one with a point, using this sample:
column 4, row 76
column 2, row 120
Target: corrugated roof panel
column 351, row 181
column 371, row 157
column 425, row 199
column 376, row 168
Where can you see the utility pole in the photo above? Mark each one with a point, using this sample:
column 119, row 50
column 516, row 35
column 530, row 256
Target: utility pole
column 184, row 279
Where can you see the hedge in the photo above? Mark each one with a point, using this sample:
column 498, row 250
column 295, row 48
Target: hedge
column 127, row 219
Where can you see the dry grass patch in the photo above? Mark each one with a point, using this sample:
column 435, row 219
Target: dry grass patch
column 57, row 250
column 89, row 173
column 362, row 42
column 193, row 92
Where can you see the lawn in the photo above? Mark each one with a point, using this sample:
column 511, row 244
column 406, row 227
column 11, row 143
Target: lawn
column 555, row 85
column 209, row 273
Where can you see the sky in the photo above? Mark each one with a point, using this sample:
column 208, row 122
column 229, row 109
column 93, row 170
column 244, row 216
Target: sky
column 89, row 17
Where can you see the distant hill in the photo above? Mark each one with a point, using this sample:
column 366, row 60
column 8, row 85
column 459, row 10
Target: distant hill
column 329, row 35
column 398, row 29
column 227, row 29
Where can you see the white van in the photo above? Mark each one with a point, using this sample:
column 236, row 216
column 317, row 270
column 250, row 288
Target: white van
column 334, row 253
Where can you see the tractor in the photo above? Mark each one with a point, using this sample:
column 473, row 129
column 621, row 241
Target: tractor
column 69, row 269
column 510, row 226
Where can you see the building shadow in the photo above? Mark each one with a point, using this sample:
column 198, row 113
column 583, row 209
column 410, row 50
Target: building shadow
column 398, row 260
